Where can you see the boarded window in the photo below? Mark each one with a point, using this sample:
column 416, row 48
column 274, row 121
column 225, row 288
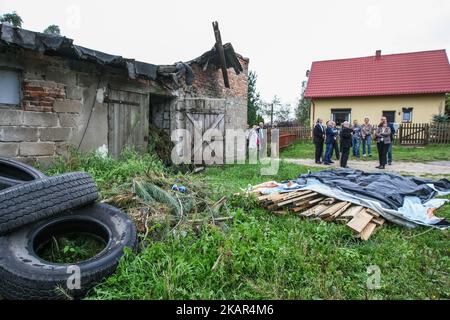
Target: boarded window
column 9, row 87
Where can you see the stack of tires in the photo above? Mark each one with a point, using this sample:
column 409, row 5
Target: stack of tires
column 33, row 210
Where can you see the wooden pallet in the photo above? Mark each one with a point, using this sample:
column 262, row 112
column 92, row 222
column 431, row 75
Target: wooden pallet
column 312, row 205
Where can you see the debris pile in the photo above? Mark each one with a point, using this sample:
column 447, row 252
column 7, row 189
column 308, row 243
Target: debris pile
column 167, row 201
column 312, row 205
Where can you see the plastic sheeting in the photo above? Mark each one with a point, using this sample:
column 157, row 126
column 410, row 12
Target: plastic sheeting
column 407, row 201
column 54, row 44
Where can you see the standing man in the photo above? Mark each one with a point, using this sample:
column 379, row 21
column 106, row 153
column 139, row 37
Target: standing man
column 383, row 138
column 346, row 143
column 336, row 141
column 318, row 139
column 366, row 137
column 389, row 153
column 329, row 142
column 356, row 138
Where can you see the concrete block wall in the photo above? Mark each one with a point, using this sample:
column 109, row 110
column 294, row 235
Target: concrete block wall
column 32, row 136
column 43, row 126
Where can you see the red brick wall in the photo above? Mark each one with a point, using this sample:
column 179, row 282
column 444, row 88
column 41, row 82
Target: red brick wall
column 209, row 83
column 41, row 95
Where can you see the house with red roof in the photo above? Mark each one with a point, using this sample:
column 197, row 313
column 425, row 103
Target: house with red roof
column 406, row 87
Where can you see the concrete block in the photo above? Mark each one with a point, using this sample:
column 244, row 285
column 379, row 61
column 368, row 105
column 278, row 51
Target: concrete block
column 62, row 148
column 68, row 120
column 74, row 93
column 37, row 149
column 40, row 119
column 61, row 76
column 9, row 149
column 166, row 124
column 69, row 106
column 27, row 160
column 10, row 117
column 54, row 134
column 46, row 161
column 12, row 134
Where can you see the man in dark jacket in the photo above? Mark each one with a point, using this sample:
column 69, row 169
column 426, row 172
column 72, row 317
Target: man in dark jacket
column 346, row 143
column 318, row 139
column 329, row 142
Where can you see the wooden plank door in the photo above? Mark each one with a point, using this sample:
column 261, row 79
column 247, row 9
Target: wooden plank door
column 200, row 123
column 128, row 121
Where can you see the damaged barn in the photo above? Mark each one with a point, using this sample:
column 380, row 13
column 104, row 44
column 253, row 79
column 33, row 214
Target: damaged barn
column 55, row 94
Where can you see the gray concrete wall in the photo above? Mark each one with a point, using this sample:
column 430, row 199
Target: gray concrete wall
column 62, row 105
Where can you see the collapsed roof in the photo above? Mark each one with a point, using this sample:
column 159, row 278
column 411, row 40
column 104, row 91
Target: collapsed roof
column 61, row 46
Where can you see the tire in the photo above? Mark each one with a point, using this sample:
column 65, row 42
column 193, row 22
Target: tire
column 24, row 275
column 13, row 172
column 29, row 202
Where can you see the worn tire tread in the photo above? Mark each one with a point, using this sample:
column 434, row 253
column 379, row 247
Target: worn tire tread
column 43, row 198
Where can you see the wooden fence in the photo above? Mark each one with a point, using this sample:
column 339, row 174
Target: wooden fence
column 416, row 134
column 408, row 134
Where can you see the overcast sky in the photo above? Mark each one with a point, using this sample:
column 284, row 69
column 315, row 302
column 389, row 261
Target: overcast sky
column 280, row 37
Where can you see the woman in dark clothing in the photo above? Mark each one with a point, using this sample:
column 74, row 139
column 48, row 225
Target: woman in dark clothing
column 346, row 143
column 383, row 138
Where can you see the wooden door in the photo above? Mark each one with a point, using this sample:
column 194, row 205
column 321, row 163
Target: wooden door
column 199, row 125
column 390, row 116
column 128, row 122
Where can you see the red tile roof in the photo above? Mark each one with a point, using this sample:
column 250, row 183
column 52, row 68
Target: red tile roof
column 394, row 74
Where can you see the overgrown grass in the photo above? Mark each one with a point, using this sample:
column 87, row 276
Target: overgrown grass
column 262, row 256
column 110, row 175
column 433, row 152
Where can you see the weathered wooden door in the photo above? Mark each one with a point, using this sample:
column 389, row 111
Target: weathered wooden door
column 206, row 127
column 127, row 121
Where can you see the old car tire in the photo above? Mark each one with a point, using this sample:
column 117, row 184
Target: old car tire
column 13, row 172
column 29, row 202
column 24, row 275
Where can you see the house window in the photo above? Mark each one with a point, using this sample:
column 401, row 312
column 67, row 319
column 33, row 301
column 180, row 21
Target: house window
column 341, row 115
column 407, row 115
column 9, row 87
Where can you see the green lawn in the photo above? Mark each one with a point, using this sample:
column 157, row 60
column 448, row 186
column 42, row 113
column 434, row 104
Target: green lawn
column 263, row 256
column 303, row 150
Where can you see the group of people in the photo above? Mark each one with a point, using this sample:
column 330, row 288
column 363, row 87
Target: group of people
column 352, row 137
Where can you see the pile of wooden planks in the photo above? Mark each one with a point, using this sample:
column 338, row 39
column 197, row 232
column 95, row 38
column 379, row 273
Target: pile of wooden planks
column 312, row 205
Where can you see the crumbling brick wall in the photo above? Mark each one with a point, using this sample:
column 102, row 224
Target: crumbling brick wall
column 209, row 84
column 58, row 99
column 62, row 103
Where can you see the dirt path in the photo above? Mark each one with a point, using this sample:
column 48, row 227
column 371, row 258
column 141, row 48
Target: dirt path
column 438, row 168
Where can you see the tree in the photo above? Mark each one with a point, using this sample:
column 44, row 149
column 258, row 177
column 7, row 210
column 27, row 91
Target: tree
column 276, row 111
column 303, row 111
column 253, row 100
column 52, row 29
column 12, row 18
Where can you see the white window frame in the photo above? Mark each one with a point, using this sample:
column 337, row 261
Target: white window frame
column 410, row 111
column 19, row 79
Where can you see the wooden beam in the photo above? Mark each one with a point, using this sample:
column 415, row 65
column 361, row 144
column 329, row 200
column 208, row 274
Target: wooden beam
column 221, row 52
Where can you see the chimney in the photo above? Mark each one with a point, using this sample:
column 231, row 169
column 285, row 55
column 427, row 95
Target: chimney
column 378, row 54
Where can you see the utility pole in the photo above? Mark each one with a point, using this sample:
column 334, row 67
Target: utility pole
column 271, row 115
